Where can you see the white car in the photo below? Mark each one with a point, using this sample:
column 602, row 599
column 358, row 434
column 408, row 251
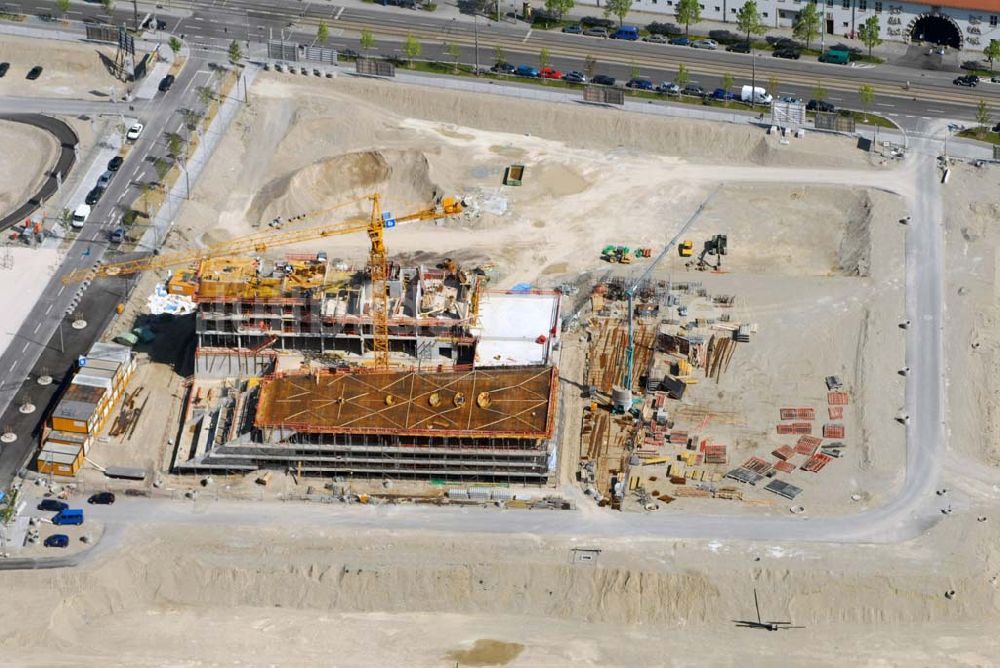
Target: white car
column 705, row 44
column 134, row 132
column 80, row 216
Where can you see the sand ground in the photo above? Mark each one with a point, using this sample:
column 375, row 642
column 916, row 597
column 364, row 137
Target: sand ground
column 70, row 69
column 30, row 154
column 819, row 269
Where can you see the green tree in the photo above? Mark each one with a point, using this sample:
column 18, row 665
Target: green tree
column 191, row 118
column 455, row 52
column 175, row 144
column 992, row 51
column 633, row 70
column 619, row 8
column 412, row 48
column 65, row 218
column 62, row 6
column 683, row 76
column 688, row 12
column 108, row 5
column 499, row 56
column 559, row 7
column 205, row 95
column 589, row 67
column 367, row 40
column 174, row 44
column 235, row 54
column 806, row 26
column 819, row 91
column 322, row 32
column 162, row 167
column 867, row 95
column 145, row 187
column 868, row 33
column 727, row 83
column 543, row 58
column 983, row 117
column 748, row 20
column 772, row 85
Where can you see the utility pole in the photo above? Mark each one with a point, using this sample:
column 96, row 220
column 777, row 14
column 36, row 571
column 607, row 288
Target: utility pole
column 135, row 13
column 475, row 22
column 753, row 80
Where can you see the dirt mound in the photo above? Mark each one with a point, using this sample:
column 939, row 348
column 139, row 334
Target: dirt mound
column 403, row 175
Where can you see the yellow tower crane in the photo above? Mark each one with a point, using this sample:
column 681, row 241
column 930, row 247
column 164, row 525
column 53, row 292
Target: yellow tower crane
column 378, row 265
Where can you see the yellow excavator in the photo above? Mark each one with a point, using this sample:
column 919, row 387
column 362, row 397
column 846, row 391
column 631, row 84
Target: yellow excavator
column 376, row 225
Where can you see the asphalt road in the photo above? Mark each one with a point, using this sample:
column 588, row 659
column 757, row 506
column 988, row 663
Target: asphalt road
column 212, row 25
column 67, row 157
column 37, row 349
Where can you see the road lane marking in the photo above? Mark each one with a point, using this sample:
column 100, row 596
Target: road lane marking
column 339, row 12
column 48, row 309
column 61, row 288
column 528, row 36
column 37, row 325
column 25, row 348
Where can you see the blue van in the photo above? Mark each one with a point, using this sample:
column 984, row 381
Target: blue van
column 630, row 33
column 68, row 516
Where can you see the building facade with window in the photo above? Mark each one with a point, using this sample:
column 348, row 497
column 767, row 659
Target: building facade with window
column 959, row 24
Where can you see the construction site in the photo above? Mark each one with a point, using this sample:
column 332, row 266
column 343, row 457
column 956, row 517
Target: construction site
column 561, row 358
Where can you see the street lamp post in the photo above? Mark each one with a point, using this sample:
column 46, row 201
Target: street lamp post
column 475, row 22
column 753, row 80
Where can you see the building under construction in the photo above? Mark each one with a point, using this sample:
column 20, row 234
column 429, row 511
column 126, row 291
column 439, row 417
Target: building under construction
column 247, row 309
column 491, row 424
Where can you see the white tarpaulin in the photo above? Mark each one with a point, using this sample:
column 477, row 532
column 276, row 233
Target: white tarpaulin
column 162, row 302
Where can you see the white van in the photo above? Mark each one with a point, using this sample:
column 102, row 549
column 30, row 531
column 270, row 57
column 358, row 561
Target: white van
column 80, row 216
column 760, row 96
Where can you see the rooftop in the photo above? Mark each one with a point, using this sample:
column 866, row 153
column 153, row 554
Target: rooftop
column 511, row 403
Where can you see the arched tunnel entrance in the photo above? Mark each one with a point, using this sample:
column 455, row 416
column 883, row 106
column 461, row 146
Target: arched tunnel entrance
column 937, row 30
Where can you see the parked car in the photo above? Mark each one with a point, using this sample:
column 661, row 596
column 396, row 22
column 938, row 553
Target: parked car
column 705, row 44
column 57, row 540
column 3, row 69
column 681, row 41
column 34, row 73
column 80, row 215
column 819, row 105
column 575, row 77
column 790, row 54
column 639, row 84
column 52, row 505
column 527, row 71
column 573, row 29
column 105, row 179
column 117, row 235
column 134, row 132
column 550, row 73
column 693, row 90
column 722, row 94
column 166, row 82
column 596, row 32
column 668, row 88
column 969, row 80
column 94, row 196
column 115, row 163
column 835, row 57
column 603, row 80
column 995, row 79
column 996, row 128
column 68, row 516
column 655, row 39
column 755, row 95
column 504, row 68
column 102, row 498
column 740, row 47
column 630, row 33
column 788, row 99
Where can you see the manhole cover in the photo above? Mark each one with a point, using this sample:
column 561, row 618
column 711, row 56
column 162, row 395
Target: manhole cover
column 79, row 324
column 45, row 380
column 8, row 437
column 27, row 408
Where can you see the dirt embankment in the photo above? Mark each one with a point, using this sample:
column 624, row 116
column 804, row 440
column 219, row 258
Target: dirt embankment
column 29, row 153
